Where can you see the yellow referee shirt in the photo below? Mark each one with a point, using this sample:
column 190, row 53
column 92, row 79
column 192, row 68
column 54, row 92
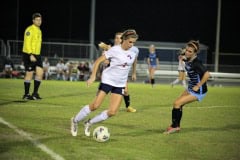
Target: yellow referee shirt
column 32, row 40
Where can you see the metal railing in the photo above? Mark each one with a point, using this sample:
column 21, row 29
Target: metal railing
column 3, row 49
column 55, row 49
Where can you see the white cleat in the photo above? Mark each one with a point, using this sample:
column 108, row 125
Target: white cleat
column 74, row 127
column 87, row 126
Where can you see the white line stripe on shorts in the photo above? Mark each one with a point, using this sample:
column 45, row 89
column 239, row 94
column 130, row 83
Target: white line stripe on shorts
column 43, row 147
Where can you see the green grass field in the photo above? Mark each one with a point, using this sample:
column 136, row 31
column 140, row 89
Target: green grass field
column 210, row 129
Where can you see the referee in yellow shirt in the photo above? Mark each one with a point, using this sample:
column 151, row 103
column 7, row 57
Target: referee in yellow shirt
column 32, row 58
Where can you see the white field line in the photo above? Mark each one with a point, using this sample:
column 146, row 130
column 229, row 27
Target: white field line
column 27, row 136
column 214, row 107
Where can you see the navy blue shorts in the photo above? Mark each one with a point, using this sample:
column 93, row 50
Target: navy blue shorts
column 108, row 88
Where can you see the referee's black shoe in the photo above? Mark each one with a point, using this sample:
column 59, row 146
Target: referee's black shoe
column 35, row 96
column 27, row 97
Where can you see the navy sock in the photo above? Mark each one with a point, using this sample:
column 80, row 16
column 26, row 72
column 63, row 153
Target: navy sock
column 176, row 117
column 126, row 100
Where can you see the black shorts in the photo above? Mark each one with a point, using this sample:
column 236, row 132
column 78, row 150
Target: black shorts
column 108, row 88
column 31, row 66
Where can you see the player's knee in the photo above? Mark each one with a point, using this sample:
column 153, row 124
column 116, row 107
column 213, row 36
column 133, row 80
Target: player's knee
column 28, row 76
column 177, row 104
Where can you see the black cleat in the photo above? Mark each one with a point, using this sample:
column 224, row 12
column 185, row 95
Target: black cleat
column 27, row 97
column 36, row 96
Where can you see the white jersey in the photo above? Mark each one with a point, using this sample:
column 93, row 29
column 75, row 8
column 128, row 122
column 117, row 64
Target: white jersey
column 60, row 66
column 46, row 64
column 181, row 65
column 121, row 62
column 135, row 50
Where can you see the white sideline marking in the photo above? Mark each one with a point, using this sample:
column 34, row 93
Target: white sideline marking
column 213, row 107
column 43, row 147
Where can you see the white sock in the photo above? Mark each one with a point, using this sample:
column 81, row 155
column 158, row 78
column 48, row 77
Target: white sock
column 184, row 83
column 46, row 76
column 101, row 117
column 82, row 113
column 176, row 81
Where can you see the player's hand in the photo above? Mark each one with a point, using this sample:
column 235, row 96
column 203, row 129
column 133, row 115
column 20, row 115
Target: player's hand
column 104, row 46
column 106, row 62
column 32, row 58
column 134, row 77
column 90, row 81
column 195, row 88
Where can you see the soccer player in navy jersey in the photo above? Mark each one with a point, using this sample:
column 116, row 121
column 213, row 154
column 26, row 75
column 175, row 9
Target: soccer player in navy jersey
column 197, row 85
column 153, row 63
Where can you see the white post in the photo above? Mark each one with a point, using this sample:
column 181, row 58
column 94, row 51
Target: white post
column 92, row 28
column 217, row 37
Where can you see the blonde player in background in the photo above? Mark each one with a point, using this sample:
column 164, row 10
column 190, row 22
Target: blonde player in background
column 153, row 63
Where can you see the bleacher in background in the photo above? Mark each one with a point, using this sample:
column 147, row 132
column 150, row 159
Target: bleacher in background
column 166, row 51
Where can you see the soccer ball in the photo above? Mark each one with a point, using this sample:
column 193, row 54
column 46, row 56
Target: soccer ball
column 101, row 134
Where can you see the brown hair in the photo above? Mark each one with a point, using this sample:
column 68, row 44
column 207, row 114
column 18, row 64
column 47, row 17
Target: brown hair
column 36, row 15
column 194, row 44
column 130, row 33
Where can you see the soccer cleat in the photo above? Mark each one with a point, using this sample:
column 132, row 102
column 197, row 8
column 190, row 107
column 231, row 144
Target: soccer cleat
column 131, row 109
column 27, row 97
column 171, row 130
column 36, row 96
column 87, row 126
column 74, row 127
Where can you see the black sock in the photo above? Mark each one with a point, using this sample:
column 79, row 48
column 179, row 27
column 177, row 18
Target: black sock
column 180, row 116
column 36, row 86
column 126, row 100
column 152, row 81
column 176, row 117
column 27, row 87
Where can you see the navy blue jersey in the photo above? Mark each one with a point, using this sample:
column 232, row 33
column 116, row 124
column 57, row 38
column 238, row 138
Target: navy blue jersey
column 153, row 59
column 195, row 71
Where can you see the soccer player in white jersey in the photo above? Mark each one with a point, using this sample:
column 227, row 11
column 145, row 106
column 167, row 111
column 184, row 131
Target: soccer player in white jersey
column 117, row 41
column 114, row 79
column 181, row 69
